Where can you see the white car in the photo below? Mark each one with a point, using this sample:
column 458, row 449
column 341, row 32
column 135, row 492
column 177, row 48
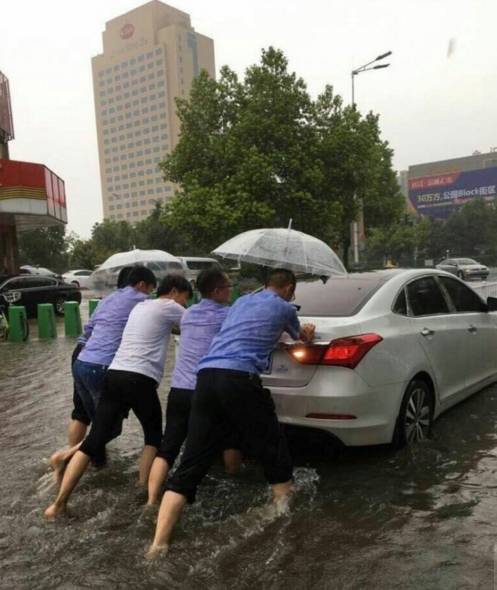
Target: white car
column 393, row 350
column 79, row 277
column 193, row 266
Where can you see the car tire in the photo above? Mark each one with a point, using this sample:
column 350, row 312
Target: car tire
column 415, row 419
column 59, row 306
column 75, row 283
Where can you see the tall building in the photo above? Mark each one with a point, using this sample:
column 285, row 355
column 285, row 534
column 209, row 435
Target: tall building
column 150, row 56
column 437, row 189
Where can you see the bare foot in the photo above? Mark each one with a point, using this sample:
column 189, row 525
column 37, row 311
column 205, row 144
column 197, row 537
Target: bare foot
column 54, row 510
column 155, row 551
column 58, row 462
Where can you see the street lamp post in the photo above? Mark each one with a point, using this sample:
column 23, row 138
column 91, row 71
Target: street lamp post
column 365, row 68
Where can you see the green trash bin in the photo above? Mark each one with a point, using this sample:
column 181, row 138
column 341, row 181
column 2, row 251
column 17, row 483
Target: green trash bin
column 92, row 304
column 72, row 319
column 18, row 324
column 47, row 328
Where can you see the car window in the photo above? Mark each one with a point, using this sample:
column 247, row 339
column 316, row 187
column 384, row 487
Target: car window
column 338, row 297
column 83, row 273
column 426, row 297
column 463, row 298
column 466, row 261
column 45, row 282
column 200, row 264
column 16, row 284
column 175, row 266
column 400, row 305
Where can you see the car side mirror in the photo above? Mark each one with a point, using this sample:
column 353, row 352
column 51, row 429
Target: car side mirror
column 492, row 303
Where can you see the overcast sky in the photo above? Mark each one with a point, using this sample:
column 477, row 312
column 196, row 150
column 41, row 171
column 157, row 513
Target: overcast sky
column 432, row 105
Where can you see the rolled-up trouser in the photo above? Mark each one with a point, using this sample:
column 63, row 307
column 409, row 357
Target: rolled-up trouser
column 227, row 401
column 78, row 412
column 89, row 383
column 124, row 391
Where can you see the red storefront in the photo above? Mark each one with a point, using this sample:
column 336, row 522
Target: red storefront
column 31, row 196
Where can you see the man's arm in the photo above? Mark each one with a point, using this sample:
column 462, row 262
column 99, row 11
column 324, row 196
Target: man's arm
column 304, row 332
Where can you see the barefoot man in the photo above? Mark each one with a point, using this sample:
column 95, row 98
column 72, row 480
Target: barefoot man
column 96, row 350
column 229, row 396
column 199, row 325
column 131, row 384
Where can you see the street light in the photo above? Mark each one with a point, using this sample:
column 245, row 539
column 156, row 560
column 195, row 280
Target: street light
column 365, row 68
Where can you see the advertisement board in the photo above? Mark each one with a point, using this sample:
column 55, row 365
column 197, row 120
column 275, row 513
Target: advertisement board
column 442, row 194
column 6, row 123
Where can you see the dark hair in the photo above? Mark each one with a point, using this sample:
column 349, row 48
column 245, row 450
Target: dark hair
column 171, row 282
column 141, row 273
column 280, row 277
column 123, row 276
column 210, row 279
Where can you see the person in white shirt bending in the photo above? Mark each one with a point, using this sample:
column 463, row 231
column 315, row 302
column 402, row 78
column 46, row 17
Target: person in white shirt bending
column 131, row 384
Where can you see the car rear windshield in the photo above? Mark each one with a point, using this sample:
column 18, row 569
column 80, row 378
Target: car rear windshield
column 338, row 297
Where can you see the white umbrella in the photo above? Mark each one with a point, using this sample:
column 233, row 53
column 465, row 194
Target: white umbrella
column 283, row 248
column 135, row 257
column 104, row 278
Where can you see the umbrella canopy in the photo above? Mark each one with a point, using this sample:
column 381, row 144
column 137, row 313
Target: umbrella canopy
column 283, row 248
column 136, row 257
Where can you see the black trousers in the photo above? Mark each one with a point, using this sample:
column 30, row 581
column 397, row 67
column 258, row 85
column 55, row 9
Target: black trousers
column 124, row 391
column 179, row 404
column 78, row 412
column 227, row 401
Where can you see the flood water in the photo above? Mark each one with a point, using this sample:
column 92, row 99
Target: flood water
column 424, row 518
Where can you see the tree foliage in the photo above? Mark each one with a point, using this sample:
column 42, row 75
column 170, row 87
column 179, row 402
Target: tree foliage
column 259, row 151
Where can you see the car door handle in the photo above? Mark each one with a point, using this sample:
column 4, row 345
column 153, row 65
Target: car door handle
column 427, row 332
column 473, row 329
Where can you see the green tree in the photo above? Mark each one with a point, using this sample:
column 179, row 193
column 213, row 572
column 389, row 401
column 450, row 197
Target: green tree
column 44, row 246
column 110, row 237
column 259, row 152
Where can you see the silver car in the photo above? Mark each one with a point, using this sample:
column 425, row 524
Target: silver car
column 393, row 350
column 464, row 268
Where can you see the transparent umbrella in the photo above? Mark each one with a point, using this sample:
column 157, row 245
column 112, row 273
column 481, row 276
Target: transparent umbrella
column 104, row 278
column 136, row 257
column 283, row 248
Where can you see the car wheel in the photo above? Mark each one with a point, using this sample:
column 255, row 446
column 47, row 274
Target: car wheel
column 75, row 283
column 59, row 306
column 415, row 418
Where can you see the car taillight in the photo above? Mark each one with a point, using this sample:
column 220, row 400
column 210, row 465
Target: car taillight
column 343, row 352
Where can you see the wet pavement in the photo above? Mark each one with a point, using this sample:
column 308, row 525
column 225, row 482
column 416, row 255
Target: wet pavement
column 424, row 518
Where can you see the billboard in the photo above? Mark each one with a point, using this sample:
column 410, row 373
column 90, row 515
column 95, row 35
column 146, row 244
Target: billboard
column 442, row 194
column 6, row 122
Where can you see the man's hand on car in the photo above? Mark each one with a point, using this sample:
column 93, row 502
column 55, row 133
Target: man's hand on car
column 307, row 332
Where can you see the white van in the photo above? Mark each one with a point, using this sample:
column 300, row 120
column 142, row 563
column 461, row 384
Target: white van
column 193, row 266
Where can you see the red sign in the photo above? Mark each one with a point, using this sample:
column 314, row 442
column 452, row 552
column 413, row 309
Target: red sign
column 433, row 181
column 127, row 31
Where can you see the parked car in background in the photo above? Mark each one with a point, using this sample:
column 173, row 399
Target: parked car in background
column 80, row 278
column 464, row 268
column 30, row 290
column 27, row 269
column 393, row 350
column 193, row 265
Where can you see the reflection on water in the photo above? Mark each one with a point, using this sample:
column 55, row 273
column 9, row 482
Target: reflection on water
column 364, row 518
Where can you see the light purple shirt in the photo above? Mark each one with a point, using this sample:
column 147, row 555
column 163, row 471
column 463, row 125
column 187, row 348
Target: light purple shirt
column 106, row 325
column 199, row 325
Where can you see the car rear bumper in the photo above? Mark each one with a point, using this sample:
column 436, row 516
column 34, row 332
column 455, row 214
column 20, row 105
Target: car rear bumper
column 342, row 392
